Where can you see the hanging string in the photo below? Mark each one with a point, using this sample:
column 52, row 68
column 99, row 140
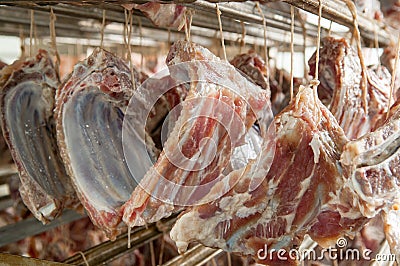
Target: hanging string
column 35, row 38
column 330, row 28
column 291, row 50
column 190, row 21
column 31, row 33
column 130, row 18
column 22, row 40
column 186, row 27
column 242, row 39
column 229, row 259
column 152, row 254
column 264, row 21
column 188, row 16
column 357, row 36
column 53, row 41
column 162, row 247
column 84, row 258
column 315, row 82
column 140, row 41
column 103, row 25
column 220, row 30
column 394, row 72
column 125, row 35
column 129, row 237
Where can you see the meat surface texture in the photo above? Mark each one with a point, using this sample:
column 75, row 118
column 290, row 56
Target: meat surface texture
column 89, row 111
column 388, row 59
column 220, row 108
column 371, row 165
column 162, row 15
column 27, row 102
column 254, row 67
column 340, row 88
column 298, row 194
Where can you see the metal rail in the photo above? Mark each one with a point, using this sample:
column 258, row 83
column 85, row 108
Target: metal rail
column 11, row 260
column 29, row 227
column 69, row 16
column 334, row 10
column 196, row 256
column 337, row 11
column 111, row 250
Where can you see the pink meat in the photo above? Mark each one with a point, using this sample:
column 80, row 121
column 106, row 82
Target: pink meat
column 298, row 194
column 340, row 90
column 162, row 15
column 204, row 112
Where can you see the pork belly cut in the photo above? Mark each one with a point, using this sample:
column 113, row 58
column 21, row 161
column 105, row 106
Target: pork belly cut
column 298, row 194
column 90, row 108
column 220, row 108
column 340, row 88
column 27, row 102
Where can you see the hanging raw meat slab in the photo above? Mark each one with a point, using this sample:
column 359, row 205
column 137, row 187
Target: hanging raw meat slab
column 297, row 196
column 212, row 123
column 340, row 88
column 162, row 15
column 5, row 154
column 371, row 164
column 89, row 111
column 253, row 66
column 27, row 102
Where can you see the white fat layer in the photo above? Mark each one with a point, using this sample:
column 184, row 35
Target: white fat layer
column 287, row 125
column 190, row 226
column 315, row 146
column 373, row 204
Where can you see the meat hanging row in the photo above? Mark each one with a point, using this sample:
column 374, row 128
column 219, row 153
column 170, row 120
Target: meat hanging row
column 245, row 179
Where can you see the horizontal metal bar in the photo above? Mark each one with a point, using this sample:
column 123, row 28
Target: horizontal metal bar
column 5, row 202
column 338, row 12
column 111, row 250
column 9, row 169
column 198, row 255
column 29, row 227
column 11, row 260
